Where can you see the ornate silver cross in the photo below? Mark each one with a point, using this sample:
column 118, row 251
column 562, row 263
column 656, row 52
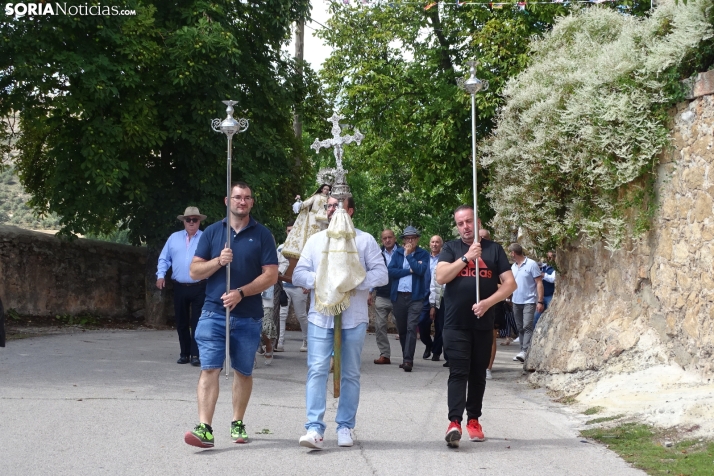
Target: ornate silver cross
column 337, row 140
column 340, row 189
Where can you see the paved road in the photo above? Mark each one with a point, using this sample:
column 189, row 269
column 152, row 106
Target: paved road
column 114, row 402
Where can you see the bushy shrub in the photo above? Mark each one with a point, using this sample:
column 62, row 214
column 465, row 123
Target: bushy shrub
column 577, row 142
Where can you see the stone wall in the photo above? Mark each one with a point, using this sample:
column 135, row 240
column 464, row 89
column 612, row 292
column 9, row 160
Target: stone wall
column 41, row 275
column 649, row 305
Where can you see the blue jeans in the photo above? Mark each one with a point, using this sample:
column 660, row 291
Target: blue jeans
column 244, row 339
column 319, row 350
column 546, row 300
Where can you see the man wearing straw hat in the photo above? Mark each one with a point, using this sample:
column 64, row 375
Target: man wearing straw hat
column 253, row 265
column 189, row 294
column 468, row 325
column 339, row 265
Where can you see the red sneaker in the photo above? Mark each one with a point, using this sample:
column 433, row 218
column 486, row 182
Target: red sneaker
column 453, row 434
column 475, row 430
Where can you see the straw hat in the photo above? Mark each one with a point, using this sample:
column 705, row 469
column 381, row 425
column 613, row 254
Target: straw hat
column 191, row 212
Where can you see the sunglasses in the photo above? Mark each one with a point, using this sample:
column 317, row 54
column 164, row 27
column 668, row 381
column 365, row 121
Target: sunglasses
column 191, row 220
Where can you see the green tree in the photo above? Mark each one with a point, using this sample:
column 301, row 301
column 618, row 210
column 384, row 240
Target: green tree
column 394, row 74
column 115, row 111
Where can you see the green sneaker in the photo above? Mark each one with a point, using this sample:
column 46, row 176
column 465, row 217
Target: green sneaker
column 201, row 436
column 238, row 432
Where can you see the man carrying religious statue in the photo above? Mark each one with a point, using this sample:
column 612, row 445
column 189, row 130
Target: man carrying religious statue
column 339, row 266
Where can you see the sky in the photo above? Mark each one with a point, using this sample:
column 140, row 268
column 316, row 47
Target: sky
column 315, row 51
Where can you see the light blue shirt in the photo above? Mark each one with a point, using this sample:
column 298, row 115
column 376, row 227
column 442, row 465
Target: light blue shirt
column 388, row 255
column 405, row 283
column 433, row 261
column 177, row 256
column 525, row 274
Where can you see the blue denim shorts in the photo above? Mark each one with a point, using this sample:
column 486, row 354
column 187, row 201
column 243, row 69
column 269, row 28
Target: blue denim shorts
column 211, row 340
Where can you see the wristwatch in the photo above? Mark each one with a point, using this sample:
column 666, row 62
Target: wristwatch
column 241, row 293
column 465, row 259
column 541, row 302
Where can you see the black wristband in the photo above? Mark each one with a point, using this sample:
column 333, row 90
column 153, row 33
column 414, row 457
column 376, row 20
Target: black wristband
column 539, row 302
column 241, row 293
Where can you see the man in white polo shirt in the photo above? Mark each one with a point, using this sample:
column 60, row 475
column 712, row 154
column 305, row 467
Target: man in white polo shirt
column 527, row 298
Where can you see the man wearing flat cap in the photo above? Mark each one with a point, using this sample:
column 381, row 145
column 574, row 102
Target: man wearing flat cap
column 410, row 276
column 189, row 294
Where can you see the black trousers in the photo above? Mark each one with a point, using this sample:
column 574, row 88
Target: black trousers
column 439, row 331
column 469, row 355
column 188, row 301
column 406, row 313
column 425, row 325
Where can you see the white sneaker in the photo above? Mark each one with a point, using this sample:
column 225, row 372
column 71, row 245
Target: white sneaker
column 488, row 375
column 517, row 340
column 345, row 437
column 521, row 357
column 312, row 440
column 279, row 348
column 304, row 346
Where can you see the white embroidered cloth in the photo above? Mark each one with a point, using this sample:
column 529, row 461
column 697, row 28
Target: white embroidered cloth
column 340, row 270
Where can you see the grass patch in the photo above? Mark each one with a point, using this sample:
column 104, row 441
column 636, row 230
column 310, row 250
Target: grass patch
column 81, row 321
column 13, row 314
column 638, row 445
column 18, row 336
column 569, row 400
column 603, row 419
column 593, row 410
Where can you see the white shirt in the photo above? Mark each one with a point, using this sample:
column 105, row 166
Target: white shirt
column 370, row 256
column 436, row 290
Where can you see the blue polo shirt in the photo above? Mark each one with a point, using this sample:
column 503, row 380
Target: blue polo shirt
column 253, row 247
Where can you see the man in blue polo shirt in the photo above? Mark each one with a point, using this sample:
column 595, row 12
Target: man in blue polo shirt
column 253, row 265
